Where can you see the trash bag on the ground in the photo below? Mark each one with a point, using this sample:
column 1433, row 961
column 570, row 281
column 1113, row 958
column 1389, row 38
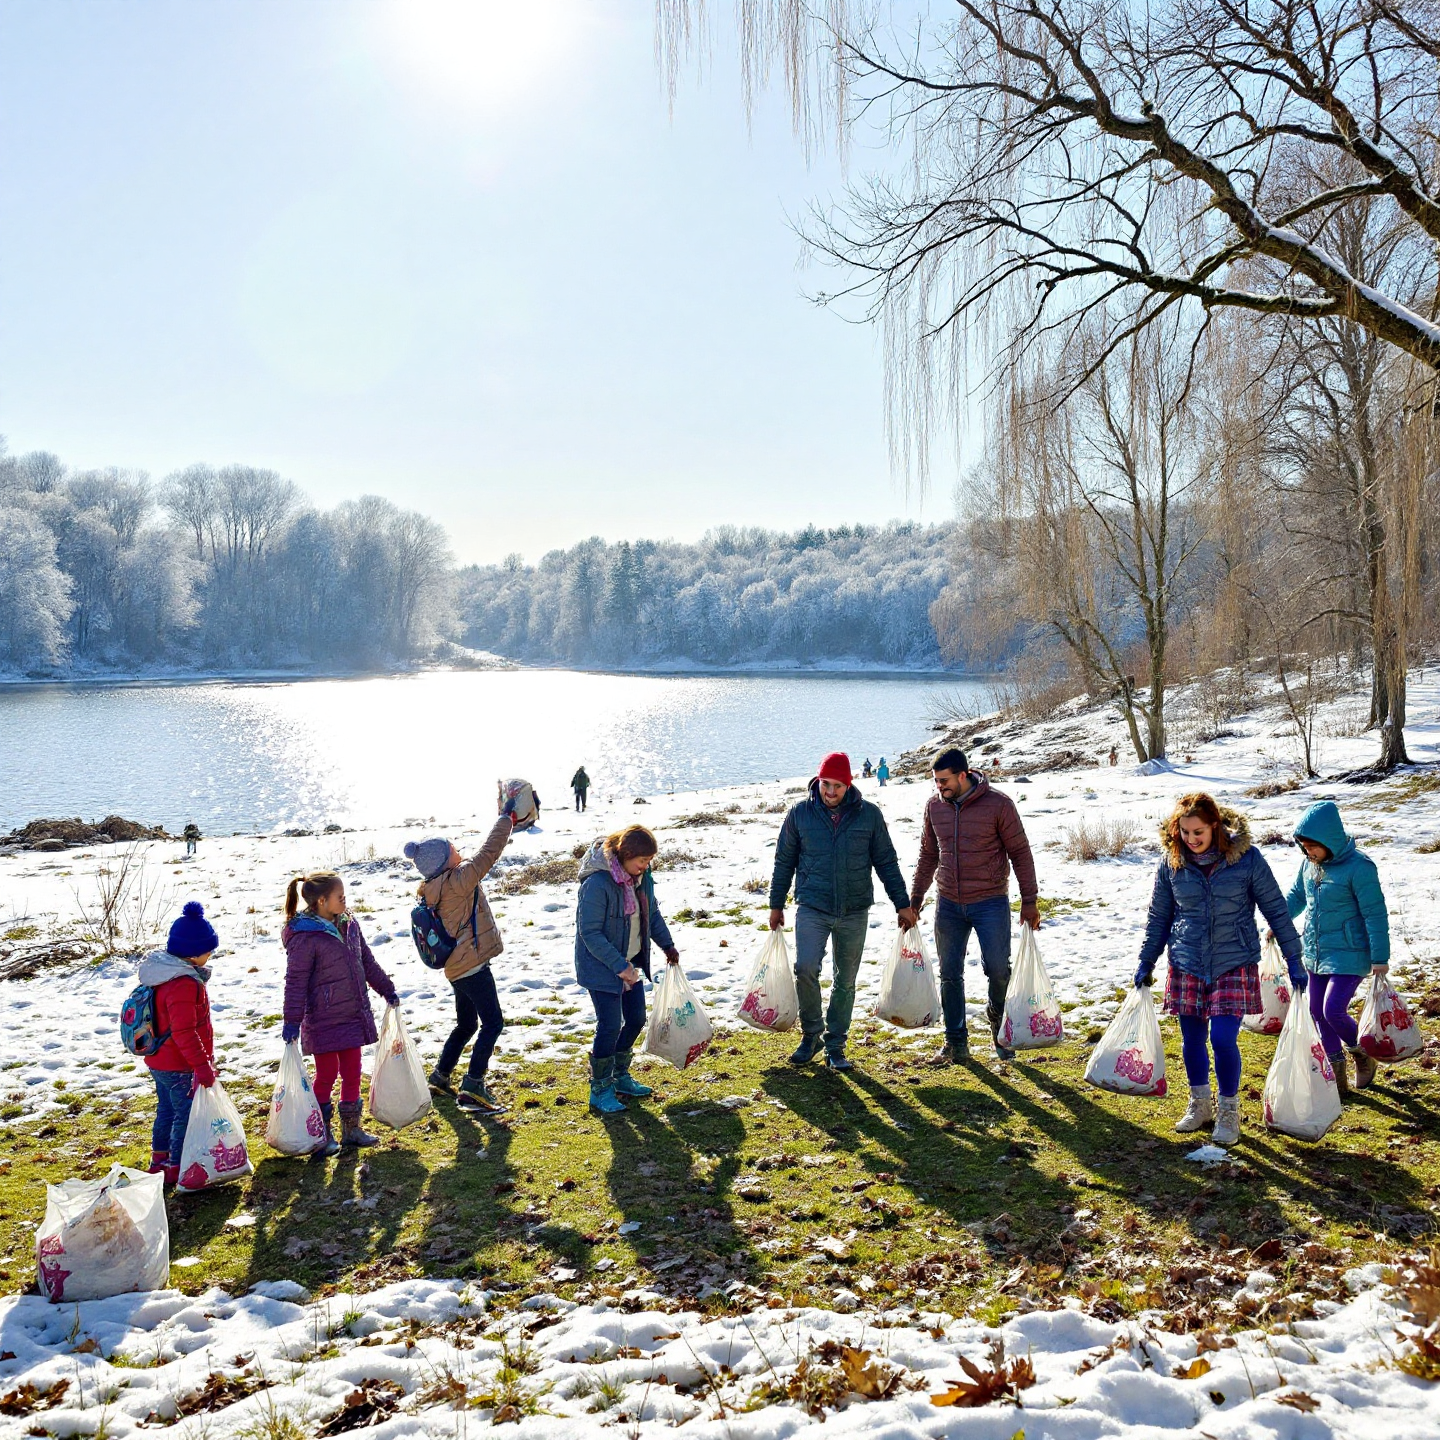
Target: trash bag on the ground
column 214, row 1152
column 1388, row 1029
column 295, row 1126
column 103, row 1237
column 1130, row 1058
column 1274, row 992
column 1301, row 1097
column 679, row 1029
column 908, row 994
column 771, row 1002
column 399, row 1091
column 1032, row 1013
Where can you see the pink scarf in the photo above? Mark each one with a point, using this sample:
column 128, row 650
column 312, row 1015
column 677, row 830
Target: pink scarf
column 626, row 882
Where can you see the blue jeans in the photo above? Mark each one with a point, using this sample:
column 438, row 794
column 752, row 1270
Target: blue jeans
column 476, row 1004
column 619, row 1019
column 172, row 1111
column 846, row 936
column 990, row 920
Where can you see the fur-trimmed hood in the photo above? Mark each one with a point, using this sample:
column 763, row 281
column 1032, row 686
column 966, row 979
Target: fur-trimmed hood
column 1234, row 838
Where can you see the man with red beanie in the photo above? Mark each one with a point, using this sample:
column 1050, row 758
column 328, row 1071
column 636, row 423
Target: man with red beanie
column 829, row 844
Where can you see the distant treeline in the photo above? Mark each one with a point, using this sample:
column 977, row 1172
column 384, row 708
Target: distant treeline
column 228, row 567
column 233, row 567
column 860, row 593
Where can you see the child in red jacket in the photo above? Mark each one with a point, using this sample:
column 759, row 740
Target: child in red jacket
column 186, row 1060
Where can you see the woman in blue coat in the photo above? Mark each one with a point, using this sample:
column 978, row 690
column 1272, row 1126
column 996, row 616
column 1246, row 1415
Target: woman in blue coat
column 616, row 920
column 1207, row 888
column 1347, row 932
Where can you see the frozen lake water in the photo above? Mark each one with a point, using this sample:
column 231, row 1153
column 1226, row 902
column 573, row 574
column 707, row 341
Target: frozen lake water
column 236, row 756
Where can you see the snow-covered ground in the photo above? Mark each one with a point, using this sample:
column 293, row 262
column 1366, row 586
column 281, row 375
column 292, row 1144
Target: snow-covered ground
column 409, row 1350
column 62, row 1026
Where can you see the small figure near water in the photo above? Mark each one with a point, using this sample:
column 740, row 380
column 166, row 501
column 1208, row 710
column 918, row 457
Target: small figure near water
column 192, row 837
column 882, row 771
column 867, row 769
column 580, row 784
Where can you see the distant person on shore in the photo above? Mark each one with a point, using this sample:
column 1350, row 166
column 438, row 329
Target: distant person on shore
column 192, row 837
column 328, row 967
column 1114, row 755
column 882, row 771
column 971, row 840
column 828, row 845
column 580, row 784
column 617, row 926
column 453, row 888
column 1202, row 909
column 1346, row 936
column 183, row 1059
column 867, row 769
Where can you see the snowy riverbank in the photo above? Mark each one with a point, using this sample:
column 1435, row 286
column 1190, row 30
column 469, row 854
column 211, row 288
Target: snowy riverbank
column 420, row 1336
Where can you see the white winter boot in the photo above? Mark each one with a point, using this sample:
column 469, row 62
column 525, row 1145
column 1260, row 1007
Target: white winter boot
column 1227, row 1125
column 1201, row 1112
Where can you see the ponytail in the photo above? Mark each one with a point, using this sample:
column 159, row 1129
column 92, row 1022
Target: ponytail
column 309, row 888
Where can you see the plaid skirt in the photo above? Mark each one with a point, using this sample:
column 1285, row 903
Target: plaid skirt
column 1237, row 992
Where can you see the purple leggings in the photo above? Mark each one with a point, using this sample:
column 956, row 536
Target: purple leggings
column 1330, row 997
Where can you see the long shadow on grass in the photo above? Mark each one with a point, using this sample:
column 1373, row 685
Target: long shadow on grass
column 308, row 1212
column 652, row 1178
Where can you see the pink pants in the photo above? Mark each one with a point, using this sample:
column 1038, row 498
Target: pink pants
column 345, row 1064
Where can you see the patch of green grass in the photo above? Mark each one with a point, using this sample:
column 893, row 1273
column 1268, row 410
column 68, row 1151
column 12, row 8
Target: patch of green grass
column 22, row 932
column 1052, row 906
column 955, row 1182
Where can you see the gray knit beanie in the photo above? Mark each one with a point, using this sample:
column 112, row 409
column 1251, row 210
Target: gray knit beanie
column 429, row 855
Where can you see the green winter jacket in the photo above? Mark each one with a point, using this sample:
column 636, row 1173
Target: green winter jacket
column 1347, row 929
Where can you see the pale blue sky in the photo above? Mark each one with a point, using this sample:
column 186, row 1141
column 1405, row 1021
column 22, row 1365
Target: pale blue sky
column 444, row 252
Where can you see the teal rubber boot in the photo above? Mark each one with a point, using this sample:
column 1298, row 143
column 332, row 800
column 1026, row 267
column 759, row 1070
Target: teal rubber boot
column 625, row 1082
column 603, row 1099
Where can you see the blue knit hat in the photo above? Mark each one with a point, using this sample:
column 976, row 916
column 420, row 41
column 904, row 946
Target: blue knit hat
column 192, row 934
column 429, row 855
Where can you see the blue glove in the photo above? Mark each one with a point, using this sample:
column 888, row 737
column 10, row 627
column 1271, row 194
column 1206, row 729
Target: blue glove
column 1144, row 975
column 1299, row 978
column 289, row 1033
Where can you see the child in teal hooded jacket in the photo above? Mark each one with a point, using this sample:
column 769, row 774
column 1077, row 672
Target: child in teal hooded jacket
column 1347, row 931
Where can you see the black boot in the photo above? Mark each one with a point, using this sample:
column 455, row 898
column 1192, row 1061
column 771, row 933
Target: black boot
column 329, row 1145
column 809, row 1047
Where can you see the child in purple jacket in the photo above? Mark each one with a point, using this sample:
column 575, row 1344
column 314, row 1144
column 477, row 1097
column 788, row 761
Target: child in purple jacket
column 327, row 1004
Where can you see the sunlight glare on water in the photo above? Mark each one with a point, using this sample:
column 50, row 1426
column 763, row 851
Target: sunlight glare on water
column 248, row 756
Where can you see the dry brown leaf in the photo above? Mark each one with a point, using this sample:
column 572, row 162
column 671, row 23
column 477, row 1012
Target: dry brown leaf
column 27, row 1398
column 1422, row 1294
column 999, row 1382
column 1195, row 1369
column 867, row 1376
column 1298, row 1400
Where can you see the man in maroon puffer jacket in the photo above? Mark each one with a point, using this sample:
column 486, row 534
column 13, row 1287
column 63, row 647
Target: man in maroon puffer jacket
column 972, row 838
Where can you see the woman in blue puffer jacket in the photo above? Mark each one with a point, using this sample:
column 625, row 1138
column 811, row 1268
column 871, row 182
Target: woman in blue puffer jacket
column 1209, row 883
column 617, row 917
column 1347, row 932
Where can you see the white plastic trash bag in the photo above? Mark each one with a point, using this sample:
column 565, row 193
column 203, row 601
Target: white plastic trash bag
column 771, row 1002
column 908, row 994
column 679, row 1029
column 1301, row 1097
column 1130, row 1058
column 525, row 813
column 399, row 1092
column 295, row 1126
column 1032, row 1013
column 1274, row 991
column 103, row 1237
column 1388, row 1030
column 214, row 1152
